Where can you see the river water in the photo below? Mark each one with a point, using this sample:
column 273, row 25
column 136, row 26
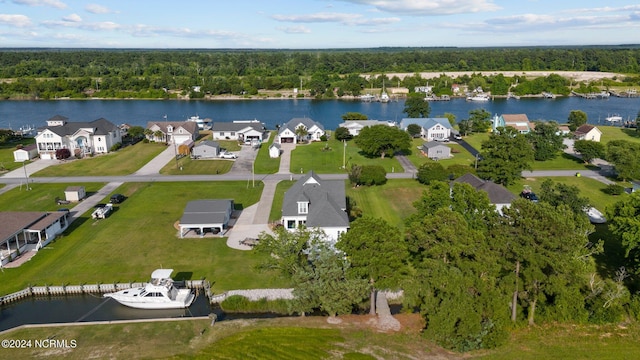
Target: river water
column 15, row 114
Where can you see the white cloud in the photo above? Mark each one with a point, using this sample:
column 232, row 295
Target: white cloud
column 342, row 18
column 53, row 3
column 15, row 20
column 72, row 18
column 98, row 9
column 429, row 7
column 295, row 29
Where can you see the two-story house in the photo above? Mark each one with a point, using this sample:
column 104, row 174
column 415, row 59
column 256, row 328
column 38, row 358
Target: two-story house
column 431, row 128
column 313, row 131
column 316, row 203
column 81, row 138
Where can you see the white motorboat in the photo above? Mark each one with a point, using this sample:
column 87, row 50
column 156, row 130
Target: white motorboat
column 478, row 97
column 614, row 119
column 595, row 216
column 196, row 119
column 384, row 97
column 159, row 293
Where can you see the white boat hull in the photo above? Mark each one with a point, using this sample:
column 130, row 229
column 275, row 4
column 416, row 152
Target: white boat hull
column 183, row 300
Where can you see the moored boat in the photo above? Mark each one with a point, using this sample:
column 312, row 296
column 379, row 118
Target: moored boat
column 159, row 293
column 478, row 97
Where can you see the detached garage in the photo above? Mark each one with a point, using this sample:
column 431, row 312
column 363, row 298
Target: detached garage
column 26, row 153
column 206, row 215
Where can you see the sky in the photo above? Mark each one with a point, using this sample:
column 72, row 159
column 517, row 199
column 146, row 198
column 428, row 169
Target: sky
column 316, row 24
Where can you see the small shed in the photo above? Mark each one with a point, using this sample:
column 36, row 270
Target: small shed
column 74, row 193
column 28, row 152
column 206, row 150
column 274, row 150
column 436, row 150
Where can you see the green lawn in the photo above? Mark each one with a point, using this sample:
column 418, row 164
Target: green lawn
column 610, row 133
column 41, row 197
column 460, row 155
column 327, row 158
column 139, row 237
column 7, row 162
column 264, row 163
column 188, row 166
column 122, row 162
column 278, row 198
column 392, row 202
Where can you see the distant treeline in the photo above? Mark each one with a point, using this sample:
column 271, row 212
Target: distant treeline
column 48, row 73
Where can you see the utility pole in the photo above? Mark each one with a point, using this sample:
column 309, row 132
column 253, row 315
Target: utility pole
column 344, row 154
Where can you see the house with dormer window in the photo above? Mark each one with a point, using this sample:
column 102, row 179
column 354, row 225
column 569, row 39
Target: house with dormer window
column 316, row 203
column 431, row 128
column 313, row 131
column 173, row 132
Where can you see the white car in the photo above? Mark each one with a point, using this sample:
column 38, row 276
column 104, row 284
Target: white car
column 228, row 155
column 441, row 139
column 457, row 137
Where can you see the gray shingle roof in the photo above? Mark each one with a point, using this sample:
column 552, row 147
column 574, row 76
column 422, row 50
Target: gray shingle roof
column 199, row 212
column 100, row 126
column 232, row 126
column 295, row 122
column 327, row 201
column 498, row 194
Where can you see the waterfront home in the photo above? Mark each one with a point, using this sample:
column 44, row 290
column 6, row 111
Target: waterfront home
column 241, row 130
column 288, row 133
column 587, row 132
column 355, row 126
column 316, row 203
column 81, row 138
column 172, row 132
column 431, row 128
column 436, row 150
column 499, row 196
column 23, row 231
column 206, row 215
column 520, row 122
column 206, row 150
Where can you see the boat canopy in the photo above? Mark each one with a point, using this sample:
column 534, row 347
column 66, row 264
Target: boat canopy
column 161, row 274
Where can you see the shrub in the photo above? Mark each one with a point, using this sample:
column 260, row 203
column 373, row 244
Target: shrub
column 115, row 147
column 240, row 304
column 63, row 154
column 323, row 138
column 614, row 189
column 367, row 175
column 432, row 171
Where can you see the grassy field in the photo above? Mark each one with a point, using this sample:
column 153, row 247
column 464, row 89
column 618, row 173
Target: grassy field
column 313, row 338
column 460, row 155
column 7, row 162
column 41, row 197
column 139, row 237
column 392, row 202
column 610, row 133
column 123, row 162
column 327, row 158
column 188, row 166
column 264, row 163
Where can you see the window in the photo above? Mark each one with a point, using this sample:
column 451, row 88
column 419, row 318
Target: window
column 291, row 224
column 303, row 207
column 233, row 133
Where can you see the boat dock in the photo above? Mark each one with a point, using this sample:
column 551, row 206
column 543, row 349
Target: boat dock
column 632, row 93
column 600, row 95
column 92, row 289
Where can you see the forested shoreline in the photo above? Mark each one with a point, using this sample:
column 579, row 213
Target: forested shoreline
column 196, row 74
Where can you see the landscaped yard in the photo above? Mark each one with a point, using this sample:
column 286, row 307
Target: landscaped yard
column 7, row 162
column 122, row 162
column 139, row 237
column 41, row 197
column 460, row 155
column 327, row 158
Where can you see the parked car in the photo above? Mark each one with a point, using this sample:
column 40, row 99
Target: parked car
column 529, row 196
column 441, row 139
column 228, row 155
column 457, row 137
column 117, row 198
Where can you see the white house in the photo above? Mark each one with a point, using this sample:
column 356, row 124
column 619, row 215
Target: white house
column 28, row 152
column 313, row 131
column 316, row 203
column 241, row 130
column 587, row 132
column 81, row 138
column 173, row 132
column 23, row 231
column 431, row 128
column 355, row 126
column 274, row 150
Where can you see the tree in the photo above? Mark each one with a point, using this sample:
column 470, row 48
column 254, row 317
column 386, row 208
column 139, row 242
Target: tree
column 451, row 117
column 301, row 132
column 465, row 127
column 414, row 130
column 624, row 222
column 558, row 194
column 431, row 171
column 480, row 120
column 342, row 133
column 416, row 106
column 354, row 116
column 576, row 118
column 546, row 140
column 504, row 156
column 625, row 156
column 589, row 150
column 380, row 140
column 136, row 132
column 376, row 252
